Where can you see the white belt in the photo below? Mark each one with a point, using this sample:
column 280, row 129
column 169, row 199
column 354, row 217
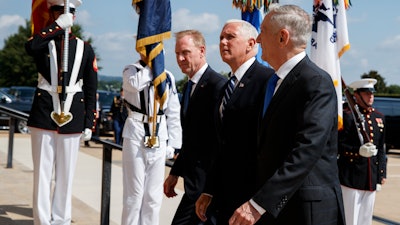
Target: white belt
column 43, row 84
column 144, row 118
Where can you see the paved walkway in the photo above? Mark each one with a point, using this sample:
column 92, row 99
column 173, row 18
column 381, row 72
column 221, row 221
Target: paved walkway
column 16, row 187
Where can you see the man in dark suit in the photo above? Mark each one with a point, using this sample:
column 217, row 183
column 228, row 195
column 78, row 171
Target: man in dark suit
column 119, row 113
column 233, row 177
column 199, row 144
column 298, row 180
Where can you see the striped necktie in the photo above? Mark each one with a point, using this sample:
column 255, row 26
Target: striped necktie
column 228, row 91
column 270, row 91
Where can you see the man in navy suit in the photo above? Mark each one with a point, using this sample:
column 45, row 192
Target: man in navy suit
column 199, row 138
column 232, row 179
column 297, row 176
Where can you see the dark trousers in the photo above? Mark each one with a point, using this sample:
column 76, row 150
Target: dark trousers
column 118, row 126
column 186, row 213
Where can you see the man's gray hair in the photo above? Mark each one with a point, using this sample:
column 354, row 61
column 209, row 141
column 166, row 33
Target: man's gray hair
column 293, row 18
column 247, row 30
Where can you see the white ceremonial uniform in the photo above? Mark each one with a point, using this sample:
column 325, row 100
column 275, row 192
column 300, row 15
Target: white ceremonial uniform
column 143, row 167
column 49, row 147
column 357, row 205
column 56, row 121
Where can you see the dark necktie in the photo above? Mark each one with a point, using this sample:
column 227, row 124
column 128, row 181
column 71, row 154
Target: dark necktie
column 228, row 91
column 187, row 96
column 270, row 91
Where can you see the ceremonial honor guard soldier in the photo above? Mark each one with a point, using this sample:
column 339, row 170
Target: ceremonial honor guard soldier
column 63, row 111
column 362, row 167
column 151, row 134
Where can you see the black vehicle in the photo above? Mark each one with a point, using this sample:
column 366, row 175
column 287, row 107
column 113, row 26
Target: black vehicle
column 19, row 98
column 106, row 98
column 390, row 108
column 4, row 100
column 22, row 93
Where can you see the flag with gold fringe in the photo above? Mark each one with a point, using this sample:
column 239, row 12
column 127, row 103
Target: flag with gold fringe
column 39, row 16
column 250, row 5
column 154, row 26
column 329, row 41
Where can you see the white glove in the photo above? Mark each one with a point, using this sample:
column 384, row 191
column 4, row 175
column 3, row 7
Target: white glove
column 65, row 20
column 170, row 152
column 368, row 150
column 87, row 134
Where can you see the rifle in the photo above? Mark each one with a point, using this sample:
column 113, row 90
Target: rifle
column 359, row 119
column 63, row 118
column 64, row 60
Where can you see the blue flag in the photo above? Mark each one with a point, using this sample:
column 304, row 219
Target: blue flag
column 154, row 26
column 255, row 18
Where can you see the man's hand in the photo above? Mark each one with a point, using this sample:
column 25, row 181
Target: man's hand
column 170, row 152
column 246, row 214
column 65, row 20
column 368, row 150
column 169, row 186
column 202, row 204
column 87, row 134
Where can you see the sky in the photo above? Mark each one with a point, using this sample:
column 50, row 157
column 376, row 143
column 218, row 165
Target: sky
column 373, row 26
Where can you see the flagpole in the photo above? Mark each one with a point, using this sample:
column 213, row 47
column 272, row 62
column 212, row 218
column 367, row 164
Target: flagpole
column 154, row 138
column 154, row 120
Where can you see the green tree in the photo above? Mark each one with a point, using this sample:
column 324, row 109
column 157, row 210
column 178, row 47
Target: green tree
column 16, row 66
column 113, row 86
column 393, row 90
column 180, row 84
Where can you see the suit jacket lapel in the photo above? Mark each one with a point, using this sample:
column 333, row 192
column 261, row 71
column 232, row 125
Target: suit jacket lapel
column 286, row 84
column 200, row 85
column 241, row 84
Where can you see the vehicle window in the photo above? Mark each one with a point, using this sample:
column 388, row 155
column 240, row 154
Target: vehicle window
column 390, row 108
column 384, row 107
column 106, row 98
column 396, row 108
column 22, row 93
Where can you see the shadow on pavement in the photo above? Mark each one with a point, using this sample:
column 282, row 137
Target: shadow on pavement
column 20, row 211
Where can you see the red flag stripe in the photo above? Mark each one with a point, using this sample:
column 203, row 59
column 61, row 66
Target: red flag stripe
column 39, row 16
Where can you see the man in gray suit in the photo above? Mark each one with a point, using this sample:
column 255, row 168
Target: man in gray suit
column 297, row 180
column 199, row 143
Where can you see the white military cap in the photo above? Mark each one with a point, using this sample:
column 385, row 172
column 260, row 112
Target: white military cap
column 366, row 84
column 72, row 3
